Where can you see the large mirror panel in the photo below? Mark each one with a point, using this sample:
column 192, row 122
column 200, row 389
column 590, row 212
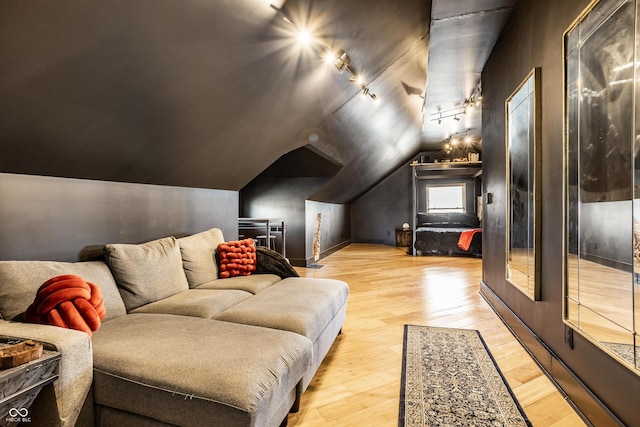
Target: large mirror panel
column 602, row 241
column 523, row 119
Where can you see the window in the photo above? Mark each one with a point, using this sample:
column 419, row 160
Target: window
column 446, row 198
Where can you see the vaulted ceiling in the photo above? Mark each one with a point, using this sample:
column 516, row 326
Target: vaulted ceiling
column 203, row 93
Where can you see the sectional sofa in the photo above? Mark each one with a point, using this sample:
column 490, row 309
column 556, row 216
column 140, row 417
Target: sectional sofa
column 178, row 344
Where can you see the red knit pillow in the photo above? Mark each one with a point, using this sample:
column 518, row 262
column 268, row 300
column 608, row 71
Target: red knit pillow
column 69, row 302
column 236, row 258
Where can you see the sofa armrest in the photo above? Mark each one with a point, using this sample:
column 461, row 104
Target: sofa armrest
column 75, row 369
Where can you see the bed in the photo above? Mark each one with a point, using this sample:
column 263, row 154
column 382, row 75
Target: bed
column 448, row 234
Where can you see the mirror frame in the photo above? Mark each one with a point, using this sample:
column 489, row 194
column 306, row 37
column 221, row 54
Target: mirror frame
column 532, row 286
column 584, row 16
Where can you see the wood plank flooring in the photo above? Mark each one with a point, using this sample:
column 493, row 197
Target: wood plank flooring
column 358, row 384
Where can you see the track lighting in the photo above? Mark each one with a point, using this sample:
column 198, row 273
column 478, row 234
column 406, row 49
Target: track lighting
column 453, row 141
column 359, row 80
column 342, row 60
column 329, row 56
column 473, row 100
column 282, row 15
column 337, row 57
column 445, row 114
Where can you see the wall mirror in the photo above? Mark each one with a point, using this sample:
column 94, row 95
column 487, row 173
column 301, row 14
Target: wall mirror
column 523, row 207
column 602, row 183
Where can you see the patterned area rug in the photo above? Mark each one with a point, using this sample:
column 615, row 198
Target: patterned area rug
column 449, row 378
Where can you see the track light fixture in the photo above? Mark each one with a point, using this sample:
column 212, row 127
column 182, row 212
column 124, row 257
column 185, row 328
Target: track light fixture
column 460, row 143
column 472, row 101
column 338, row 57
column 445, row 114
column 453, row 141
column 282, row 15
column 341, row 61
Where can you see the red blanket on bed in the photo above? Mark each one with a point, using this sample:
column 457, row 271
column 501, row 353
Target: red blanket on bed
column 466, row 237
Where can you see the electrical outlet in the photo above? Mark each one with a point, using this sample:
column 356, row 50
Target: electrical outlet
column 568, row 336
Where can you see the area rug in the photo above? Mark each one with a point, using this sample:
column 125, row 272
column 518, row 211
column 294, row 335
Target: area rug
column 449, row 378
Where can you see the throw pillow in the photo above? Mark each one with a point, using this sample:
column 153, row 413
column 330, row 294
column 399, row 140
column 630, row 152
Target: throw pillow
column 198, row 256
column 20, row 280
column 147, row 272
column 68, row 301
column 236, row 258
column 271, row 262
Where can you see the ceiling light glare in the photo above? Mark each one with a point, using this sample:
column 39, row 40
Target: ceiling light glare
column 359, row 80
column 329, row 56
column 304, row 37
column 467, row 139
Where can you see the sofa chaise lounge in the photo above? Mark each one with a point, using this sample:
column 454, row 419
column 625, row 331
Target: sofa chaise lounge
column 178, row 345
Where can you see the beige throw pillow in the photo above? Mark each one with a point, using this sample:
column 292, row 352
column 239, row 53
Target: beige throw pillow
column 199, row 256
column 146, row 272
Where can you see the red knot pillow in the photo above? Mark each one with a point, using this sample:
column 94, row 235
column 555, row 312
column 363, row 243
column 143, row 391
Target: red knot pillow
column 69, row 302
column 236, row 258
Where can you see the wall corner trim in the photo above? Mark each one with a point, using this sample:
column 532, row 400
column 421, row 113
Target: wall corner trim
column 584, row 402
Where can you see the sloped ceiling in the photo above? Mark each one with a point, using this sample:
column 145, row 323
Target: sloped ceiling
column 209, row 94
column 462, row 35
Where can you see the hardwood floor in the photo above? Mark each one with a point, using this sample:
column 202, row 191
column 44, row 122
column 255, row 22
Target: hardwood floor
column 359, row 381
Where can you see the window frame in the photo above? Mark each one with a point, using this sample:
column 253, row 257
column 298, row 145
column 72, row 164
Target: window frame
column 463, row 199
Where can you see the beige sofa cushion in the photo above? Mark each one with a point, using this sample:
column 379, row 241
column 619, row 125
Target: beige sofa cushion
column 253, row 283
column 196, row 303
column 199, row 256
column 20, row 280
column 192, row 372
column 300, row 305
column 147, row 272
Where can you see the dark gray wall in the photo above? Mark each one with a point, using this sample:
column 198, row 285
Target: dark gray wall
column 282, row 198
column 335, row 227
column 287, row 198
column 533, row 37
column 377, row 214
column 282, row 191
column 62, row 219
